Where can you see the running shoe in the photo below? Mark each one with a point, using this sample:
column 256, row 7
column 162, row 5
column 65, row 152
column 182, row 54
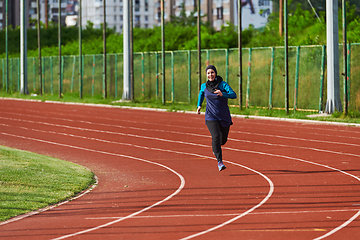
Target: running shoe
column 221, row 166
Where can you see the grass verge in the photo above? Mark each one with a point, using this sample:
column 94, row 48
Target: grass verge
column 30, row 181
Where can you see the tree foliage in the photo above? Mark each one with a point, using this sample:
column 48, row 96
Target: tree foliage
column 181, row 34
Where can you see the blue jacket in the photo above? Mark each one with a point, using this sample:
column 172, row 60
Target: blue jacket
column 217, row 107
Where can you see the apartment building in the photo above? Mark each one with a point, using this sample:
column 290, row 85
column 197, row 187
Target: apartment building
column 217, row 12
column 53, row 10
column 220, row 12
column 31, row 12
column 92, row 10
column 14, row 12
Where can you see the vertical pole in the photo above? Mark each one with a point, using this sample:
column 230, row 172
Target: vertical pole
column 93, row 77
column 7, row 44
column 163, row 51
column 73, row 74
column 271, row 77
column 80, row 52
column 348, row 71
column 333, row 102
column 286, row 57
column 240, row 53
column 189, row 74
column 248, row 80
column 39, row 43
column 23, row 46
column 281, row 22
column 345, row 57
column 207, row 57
column 11, row 73
column 296, row 90
column 323, row 56
column 132, row 84
column 43, row 75
column 227, row 65
column 157, row 74
column 3, row 72
column 172, row 77
column 104, row 50
column 59, row 37
column 126, row 52
column 51, row 75
column 46, row 14
column 142, row 75
column 62, row 70
column 34, row 73
column 18, row 67
column 116, row 76
column 199, row 42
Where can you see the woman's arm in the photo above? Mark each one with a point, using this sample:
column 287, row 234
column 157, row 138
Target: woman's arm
column 201, row 95
column 227, row 90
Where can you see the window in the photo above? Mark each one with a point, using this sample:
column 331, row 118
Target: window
column 219, row 13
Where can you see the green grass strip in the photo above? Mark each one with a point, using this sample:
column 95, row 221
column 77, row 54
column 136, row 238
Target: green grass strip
column 30, row 181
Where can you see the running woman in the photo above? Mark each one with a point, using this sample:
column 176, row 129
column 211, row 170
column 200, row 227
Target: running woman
column 217, row 114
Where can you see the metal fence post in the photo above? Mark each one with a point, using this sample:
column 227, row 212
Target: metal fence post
column 348, row 71
column 323, row 56
column 34, row 74
column 172, row 77
column 73, row 75
column 116, row 75
column 43, row 74
column 142, row 75
column 93, row 77
column 296, row 90
column 189, row 74
column 248, row 80
column 271, row 77
column 157, row 75
column 51, row 76
column 227, row 65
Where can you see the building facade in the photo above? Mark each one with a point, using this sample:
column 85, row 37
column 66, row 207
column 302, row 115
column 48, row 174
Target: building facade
column 146, row 13
column 93, row 11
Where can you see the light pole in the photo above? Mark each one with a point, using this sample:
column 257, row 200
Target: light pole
column 333, row 102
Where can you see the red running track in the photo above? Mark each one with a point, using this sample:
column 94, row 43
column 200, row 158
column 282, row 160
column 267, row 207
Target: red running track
column 158, row 178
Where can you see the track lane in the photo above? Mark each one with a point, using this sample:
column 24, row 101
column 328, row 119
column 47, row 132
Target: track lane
column 230, row 143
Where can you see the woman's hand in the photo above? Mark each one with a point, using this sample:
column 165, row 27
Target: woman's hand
column 218, row 92
column 198, row 110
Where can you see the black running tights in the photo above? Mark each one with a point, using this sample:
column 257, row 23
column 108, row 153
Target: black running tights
column 219, row 137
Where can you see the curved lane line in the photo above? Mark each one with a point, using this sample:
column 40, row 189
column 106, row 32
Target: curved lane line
column 118, row 155
column 243, row 214
column 120, row 219
column 334, row 230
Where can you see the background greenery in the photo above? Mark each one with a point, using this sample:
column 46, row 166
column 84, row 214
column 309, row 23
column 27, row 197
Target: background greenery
column 181, row 34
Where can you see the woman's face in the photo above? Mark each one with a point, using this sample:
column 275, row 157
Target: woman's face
column 210, row 74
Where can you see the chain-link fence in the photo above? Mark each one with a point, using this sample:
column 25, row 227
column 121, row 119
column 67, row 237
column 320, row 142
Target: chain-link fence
column 263, row 78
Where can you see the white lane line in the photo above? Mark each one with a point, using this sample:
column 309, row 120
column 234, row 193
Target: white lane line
column 342, row 226
column 232, row 214
column 295, row 138
column 182, row 184
column 271, row 190
column 191, row 134
column 339, row 227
